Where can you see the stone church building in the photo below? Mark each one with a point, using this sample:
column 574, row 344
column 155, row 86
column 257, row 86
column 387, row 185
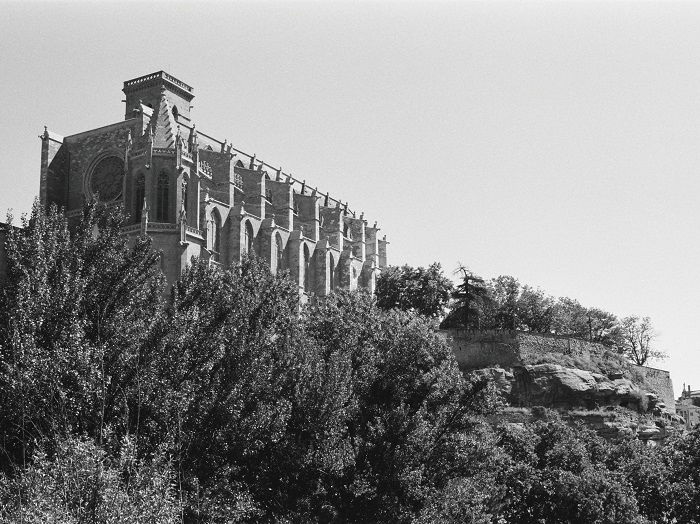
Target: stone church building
column 195, row 195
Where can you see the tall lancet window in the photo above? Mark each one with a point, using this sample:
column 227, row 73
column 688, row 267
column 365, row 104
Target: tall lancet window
column 331, row 272
column 216, row 234
column 184, row 197
column 247, row 248
column 279, row 254
column 162, row 197
column 139, row 195
column 306, row 277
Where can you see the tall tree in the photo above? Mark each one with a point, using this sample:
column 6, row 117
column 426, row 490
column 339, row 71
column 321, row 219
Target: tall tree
column 603, row 327
column 471, row 296
column 505, row 292
column 423, row 290
column 76, row 311
column 637, row 337
column 570, row 318
column 535, row 310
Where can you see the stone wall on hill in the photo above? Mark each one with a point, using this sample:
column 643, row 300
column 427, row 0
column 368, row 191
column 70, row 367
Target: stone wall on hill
column 516, row 349
column 660, row 381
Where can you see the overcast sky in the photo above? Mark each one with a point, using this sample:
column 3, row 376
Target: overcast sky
column 555, row 142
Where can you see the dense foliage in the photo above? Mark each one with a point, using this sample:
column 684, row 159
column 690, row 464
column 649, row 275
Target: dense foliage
column 424, row 290
column 504, row 303
column 221, row 401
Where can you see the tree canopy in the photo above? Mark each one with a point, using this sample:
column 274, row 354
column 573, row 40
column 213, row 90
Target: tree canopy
column 423, row 290
column 222, row 401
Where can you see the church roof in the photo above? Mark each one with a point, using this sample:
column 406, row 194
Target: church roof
column 163, row 124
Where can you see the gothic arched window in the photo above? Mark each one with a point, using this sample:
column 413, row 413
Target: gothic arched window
column 306, row 277
column 247, row 247
column 331, row 272
column 139, row 195
column 184, row 196
column 175, row 112
column 216, row 233
column 162, row 197
column 279, row 254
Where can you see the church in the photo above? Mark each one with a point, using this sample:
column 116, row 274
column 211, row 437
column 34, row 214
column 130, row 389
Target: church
column 197, row 196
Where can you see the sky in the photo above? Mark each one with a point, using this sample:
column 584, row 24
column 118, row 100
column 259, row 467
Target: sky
column 555, row 142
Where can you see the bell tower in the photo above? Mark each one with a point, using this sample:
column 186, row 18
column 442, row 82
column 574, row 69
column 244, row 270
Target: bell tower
column 147, row 90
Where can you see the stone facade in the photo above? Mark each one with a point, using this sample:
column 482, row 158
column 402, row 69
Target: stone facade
column 688, row 407
column 199, row 196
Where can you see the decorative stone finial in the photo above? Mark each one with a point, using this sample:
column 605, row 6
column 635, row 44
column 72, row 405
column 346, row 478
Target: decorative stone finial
column 193, row 140
column 278, row 177
column 252, row 162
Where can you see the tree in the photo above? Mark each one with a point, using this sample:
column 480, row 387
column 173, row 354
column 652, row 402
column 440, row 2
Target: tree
column 82, row 483
column 77, row 311
column 535, row 310
column 410, row 425
column 557, row 473
column 570, row 318
column 603, row 327
column 424, row 290
column 637, row 340
column 505, row 293
column 471, row 298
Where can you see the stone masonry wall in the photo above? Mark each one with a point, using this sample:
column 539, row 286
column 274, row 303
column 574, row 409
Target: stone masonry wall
column 660, row 380
column 478, row 349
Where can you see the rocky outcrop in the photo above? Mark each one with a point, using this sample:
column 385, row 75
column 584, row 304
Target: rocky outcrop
column 598, row 373
column 590, row 397
column 609, row 422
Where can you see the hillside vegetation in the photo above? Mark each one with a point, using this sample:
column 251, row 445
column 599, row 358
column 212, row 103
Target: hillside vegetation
column 219, row 401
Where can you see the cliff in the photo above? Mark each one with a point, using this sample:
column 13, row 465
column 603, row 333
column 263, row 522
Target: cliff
column 572, row 376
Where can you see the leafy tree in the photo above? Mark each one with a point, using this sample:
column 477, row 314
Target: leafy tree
column 76, row 312
column 557, row 474
column 603, row 327
column 681, row 456
column 569, row 317
column 649, row 474
column 535, row 310
column 637, row 340
column 505, row 293
column 82, row 484
column 413, row 430
column 231, row 373
column 424, row 290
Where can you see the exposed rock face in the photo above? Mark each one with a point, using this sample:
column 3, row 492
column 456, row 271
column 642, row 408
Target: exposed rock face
column 596, row 399
column 556, row 386
column 599, row 368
